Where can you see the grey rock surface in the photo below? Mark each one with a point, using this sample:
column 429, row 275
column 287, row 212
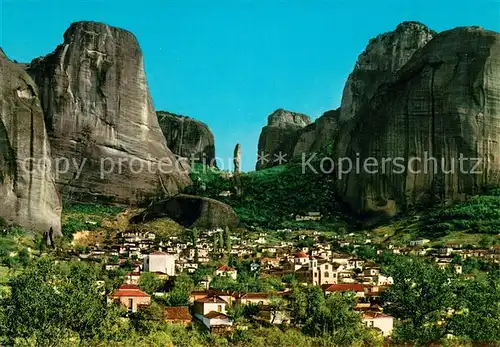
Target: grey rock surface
column 28, row 194
column 444, row 104
column 99, row 114
column 279, row 136
column 383, row 56
column 188, row 137
column 319, row 135
column 191, row 212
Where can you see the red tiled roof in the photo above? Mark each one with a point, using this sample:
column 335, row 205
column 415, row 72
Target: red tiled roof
column 129, row 293
column 212, row 299
column 129, row 287
column 199, row 292
column 343, row 287
column 301, row 255
column 177, row 313
column 255, row 296
column 215, row 315
column 372, row 315
column 226, row 268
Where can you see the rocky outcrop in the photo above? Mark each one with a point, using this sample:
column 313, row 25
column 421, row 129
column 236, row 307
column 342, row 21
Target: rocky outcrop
column 188, row 138
column 294, row 138
column 319, row 135
column 237, row 159
column 443, row 104
column 28, row 194
column 191, row 212
column 100, row 118
column 279, row 136
column 383, row 56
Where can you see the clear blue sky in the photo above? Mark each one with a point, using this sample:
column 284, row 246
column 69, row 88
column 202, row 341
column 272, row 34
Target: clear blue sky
column 231, row 63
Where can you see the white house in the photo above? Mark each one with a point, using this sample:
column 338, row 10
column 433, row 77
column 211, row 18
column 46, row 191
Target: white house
column 210, row 304
column 226, row 271
column 379, row 321
column 419, row 242
column 160, row 262
column 215, row 319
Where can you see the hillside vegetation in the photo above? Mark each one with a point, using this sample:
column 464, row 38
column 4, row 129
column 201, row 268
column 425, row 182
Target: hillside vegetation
column 271, row 198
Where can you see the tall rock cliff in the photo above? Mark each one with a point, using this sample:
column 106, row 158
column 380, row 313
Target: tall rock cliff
column 443, row 104
column 279, row 136
column 383, row 56
column 294, row 137
column 188, row 138
column 28, row 194
column 100, row 116
column 318, row 135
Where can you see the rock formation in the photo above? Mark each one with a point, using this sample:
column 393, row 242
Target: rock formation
column 318, row 135
column 383, row 56
column 100, row 117
column 237, row 170
column 443, row 104
column 188, row 138
column 191, row 212
column 237, row 159
column 28, row 194
column 292, row 139
column 279, row 136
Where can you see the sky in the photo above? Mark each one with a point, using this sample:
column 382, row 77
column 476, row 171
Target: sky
column 231, row 63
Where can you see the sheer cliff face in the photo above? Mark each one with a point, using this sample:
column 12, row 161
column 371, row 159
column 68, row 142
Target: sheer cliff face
column 188, row 138
column 294, row 135
column 444, row 104
column 318, row 135
column 279, row 136
column 100, row 117
column 384, row 55
column 28, row 194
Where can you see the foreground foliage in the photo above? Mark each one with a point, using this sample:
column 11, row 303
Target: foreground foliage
column 432, row 303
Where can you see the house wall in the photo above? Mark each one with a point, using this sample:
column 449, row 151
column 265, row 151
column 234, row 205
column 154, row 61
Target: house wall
column 136, row 301
column 325, row 269
column 213, row 322
column 385, row 324
column 256, row 301
column 203, row 308
column 160, row 263
column 232, row 274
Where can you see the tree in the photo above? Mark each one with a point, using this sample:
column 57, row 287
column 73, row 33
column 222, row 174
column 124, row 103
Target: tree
column 228, row 240
column 147, row 319
column 179, row 295
column 51, row 303
column 420, row 297
column 366, row 252
column 149, row 282
column 477, row 315
column 276, row 305
column 194, row 240
column 221, row 240
column 224, row 283
column 236, row 311
column 331, row 317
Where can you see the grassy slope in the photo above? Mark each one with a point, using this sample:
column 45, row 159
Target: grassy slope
column 92, row 223
column 470, row 222
column 272, row 197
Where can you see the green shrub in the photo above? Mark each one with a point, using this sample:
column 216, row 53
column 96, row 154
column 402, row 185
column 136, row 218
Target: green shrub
column 272, row 197
column 480, row 214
